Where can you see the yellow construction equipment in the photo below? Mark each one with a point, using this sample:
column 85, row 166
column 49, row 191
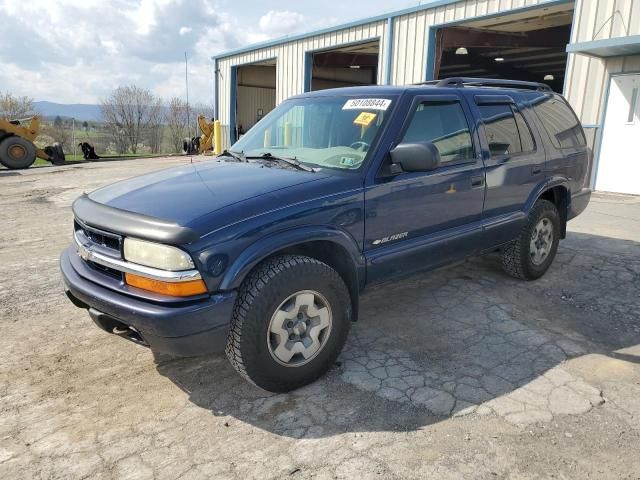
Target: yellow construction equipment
column 209, row 142
column 17, row 149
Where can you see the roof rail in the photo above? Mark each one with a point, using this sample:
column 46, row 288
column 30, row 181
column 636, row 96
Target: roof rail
column 460, row 82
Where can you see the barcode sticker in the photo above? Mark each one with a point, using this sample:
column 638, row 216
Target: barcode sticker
column 367, row 104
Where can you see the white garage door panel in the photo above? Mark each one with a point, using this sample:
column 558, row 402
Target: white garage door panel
column 619, row 165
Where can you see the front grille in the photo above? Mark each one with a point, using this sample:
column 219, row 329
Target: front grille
column 105, row 242
column 112, row 272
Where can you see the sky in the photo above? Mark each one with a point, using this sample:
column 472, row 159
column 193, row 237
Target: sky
column 77, row 51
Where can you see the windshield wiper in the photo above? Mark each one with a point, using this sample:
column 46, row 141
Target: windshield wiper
column 289, row 161
column 237, row 156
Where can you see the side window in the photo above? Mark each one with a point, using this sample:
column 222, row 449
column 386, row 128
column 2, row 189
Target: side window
column 560, row 123
column 526, row 138
column 444, row 125
column 507, row 131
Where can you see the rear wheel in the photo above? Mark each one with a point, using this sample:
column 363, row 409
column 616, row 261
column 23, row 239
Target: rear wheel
column 289, row 324
column 530, row 255
column 17, row 153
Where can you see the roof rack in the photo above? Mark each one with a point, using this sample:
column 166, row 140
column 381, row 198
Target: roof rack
column 460, row 82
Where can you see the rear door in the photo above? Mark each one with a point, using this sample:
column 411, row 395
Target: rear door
column 416, row 220
column 514, row 163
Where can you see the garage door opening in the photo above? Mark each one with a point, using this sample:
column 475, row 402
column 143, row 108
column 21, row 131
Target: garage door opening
column 347, row 66
column 255, row 94
column 527, row 45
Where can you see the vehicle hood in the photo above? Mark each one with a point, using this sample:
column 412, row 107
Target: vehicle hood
column 186, row 193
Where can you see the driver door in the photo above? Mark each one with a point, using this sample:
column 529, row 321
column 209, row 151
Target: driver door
column 418, row 220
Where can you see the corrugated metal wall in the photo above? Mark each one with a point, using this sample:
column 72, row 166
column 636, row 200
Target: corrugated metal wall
column 410, row 32
column 587, row 77
column 290, row 63
column 410, row 45
column 585, row 80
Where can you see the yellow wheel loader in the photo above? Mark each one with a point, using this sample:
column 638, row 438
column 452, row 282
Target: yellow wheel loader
column 17, row 149
column 207, row 143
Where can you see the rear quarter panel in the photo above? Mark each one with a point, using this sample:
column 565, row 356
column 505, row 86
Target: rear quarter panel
column 571, row 163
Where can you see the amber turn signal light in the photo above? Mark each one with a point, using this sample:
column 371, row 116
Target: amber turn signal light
column 174, row 289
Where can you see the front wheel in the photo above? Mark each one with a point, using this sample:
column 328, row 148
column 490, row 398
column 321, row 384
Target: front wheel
column 17, row 153
column 289, row 324
column 530, row 255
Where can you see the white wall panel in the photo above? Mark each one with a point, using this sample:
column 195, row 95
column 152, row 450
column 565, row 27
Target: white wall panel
column 290, row 58
column 601, row 19
column 587, row 77
column 585, row 81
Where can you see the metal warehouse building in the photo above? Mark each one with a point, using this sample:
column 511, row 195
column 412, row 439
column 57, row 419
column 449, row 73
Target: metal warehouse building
column 587, row 49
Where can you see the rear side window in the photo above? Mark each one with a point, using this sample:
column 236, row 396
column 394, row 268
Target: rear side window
column 560, row 123
column 506, row 129
column 526, row 138
column 444, row 125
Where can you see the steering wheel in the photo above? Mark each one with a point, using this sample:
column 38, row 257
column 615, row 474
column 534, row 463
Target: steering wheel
column 360, row 145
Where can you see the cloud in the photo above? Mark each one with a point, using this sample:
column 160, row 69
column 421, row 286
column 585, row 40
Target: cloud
column 281, row 22
column 77, row 51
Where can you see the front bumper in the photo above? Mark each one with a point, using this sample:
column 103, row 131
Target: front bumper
column 183, row 328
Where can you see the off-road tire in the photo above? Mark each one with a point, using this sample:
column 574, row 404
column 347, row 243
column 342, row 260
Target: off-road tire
column 12, row 162
column 260, row 295
column 516, row 258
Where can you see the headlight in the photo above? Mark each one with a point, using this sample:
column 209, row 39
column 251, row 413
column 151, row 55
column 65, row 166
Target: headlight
column 156, row 255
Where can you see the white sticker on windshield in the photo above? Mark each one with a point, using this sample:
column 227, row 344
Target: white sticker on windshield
column 367, row 104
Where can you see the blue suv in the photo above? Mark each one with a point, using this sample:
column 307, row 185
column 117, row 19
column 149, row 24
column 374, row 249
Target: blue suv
column 264, row 251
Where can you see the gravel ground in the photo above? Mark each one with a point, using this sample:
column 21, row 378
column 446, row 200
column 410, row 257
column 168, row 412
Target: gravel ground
column 458, row 373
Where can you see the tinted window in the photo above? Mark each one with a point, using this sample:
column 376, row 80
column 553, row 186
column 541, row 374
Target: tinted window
column 560, row 123
column 444, row 125
column 333, row 132
column 526, row 138
column 506, row 130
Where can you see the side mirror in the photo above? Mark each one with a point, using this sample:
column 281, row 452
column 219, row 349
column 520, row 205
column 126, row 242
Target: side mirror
column 416, row 157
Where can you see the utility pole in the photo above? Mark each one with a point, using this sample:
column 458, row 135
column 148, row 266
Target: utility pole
column 186, row 82
column 73, row 136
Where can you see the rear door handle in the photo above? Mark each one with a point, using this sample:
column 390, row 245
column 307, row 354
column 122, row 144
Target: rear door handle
column 536, row 170
column 477, row 181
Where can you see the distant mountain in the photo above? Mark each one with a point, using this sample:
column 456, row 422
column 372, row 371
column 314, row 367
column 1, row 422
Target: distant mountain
column 79, row 111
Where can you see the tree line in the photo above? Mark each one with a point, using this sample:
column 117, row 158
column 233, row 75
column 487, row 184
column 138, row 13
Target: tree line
column 135, row 116
column 132, row 118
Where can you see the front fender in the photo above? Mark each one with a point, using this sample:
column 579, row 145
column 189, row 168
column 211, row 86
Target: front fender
column 273, row 243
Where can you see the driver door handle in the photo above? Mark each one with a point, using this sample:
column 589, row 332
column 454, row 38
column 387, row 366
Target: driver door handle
column 477, row 181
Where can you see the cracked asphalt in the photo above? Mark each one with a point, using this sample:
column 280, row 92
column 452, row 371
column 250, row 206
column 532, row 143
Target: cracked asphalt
column 458, row 373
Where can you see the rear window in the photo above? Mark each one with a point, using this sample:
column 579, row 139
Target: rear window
column 506, row 130
column 560, row 123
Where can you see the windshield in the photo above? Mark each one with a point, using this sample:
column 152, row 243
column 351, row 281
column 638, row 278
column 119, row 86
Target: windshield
column 326, row 132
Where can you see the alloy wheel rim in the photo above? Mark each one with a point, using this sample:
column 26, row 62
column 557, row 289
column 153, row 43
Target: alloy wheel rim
column 299, row 328
column 541, row 241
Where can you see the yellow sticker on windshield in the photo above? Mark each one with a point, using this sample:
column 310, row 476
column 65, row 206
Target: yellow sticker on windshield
column 365, row 119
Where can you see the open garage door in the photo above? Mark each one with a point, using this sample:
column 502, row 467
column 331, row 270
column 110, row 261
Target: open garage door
column 528, row 45
column 346, row 66
column 255, row 94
